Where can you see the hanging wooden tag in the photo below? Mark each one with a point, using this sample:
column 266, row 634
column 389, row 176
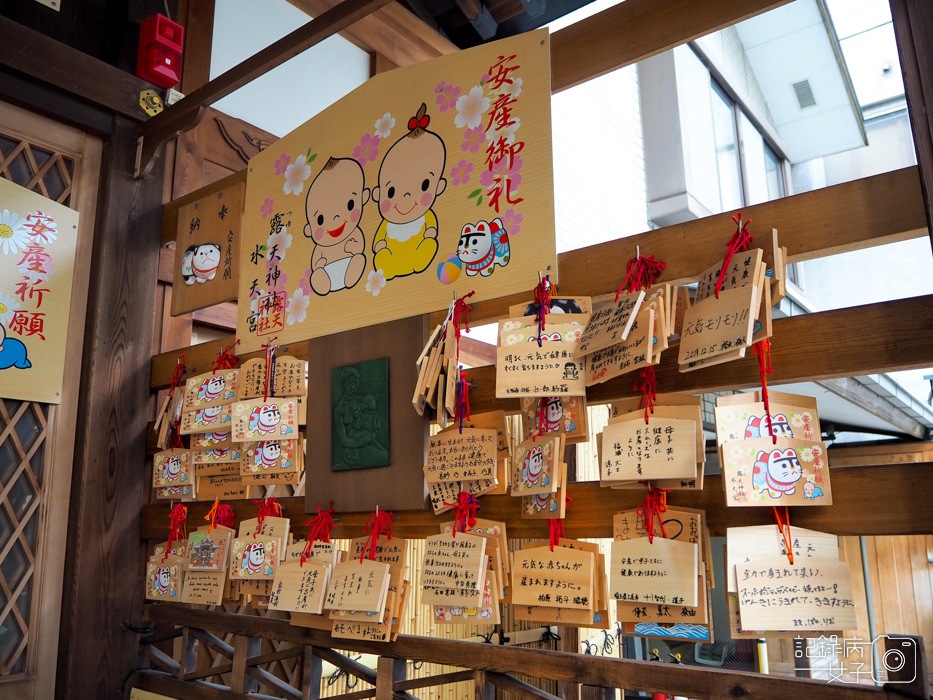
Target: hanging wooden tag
column 254, row 557
column 486, row 612
column 208, row 551
column 217, row 455
column 813, row 594
column 171, row 468
column 271, row 456
column 178, row 549
column 747, row 545
column 792, row 416
column 549, row 370
column 455, row 456
column 790, row 473
column 383, row 617
column 652, row 612
column 356, row 585
column 164, row 578
column 393, row 552
column 562, row 414
column 211, row 389
column 544, row 506
column 444, row 494
column 185, row 492
column 494, row 420
column 518, row 331
column 482, row 526
column 557, row 307
column 632, row 354
column 272, row 526
column 664, row 448
column 562, row 578
column 206, row 420
column 535, row 466
column 610, row 324
column 211, row 441
column 222, row 487
column 662, row 571
column 453, row 561
column 203, row 587
column 300, row 588
column 256, row 420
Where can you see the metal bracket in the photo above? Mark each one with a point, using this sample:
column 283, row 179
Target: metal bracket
column 150, row 102
column 534, row 8
column 484, row 24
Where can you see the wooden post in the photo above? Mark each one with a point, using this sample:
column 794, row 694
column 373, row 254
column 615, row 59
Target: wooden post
column 484, row 689
column 189, row 654
column 110, row 481
column 913, row 27
column 388, row 671
column 311, row 666
column 904, row 659
column 243, row 648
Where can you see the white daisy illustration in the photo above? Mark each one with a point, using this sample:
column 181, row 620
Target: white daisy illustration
column 8, row 307
column 13, row 235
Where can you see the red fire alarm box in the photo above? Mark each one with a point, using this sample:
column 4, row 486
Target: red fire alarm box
column 159, row 57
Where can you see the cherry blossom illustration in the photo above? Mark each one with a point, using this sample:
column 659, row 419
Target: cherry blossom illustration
column 471, row 108
column 460, row 173
column 367, row 150
column 282, row 163
column 266, row 208
column 447, row 95
column 473, row 139
column 295, row 176
column 385, row 125
column 297, row 307
column 375, row 281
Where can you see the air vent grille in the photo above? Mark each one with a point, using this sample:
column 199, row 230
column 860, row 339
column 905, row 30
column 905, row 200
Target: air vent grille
column 804, row 94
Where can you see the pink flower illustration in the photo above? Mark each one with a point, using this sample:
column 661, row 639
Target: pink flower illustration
column 447, row 95
column 473, row 139
column 511, row 220
column 305, row 282
column 501, row 172
column 282, row 163
column 266, row 208
column 367, row 150
column 460, row 173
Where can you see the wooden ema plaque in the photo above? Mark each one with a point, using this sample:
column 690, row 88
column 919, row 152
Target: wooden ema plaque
column 792, row 416
column 210, row 441
column 254, row 557
column 812, row 594
column 222, row 487
column 393, row 552
column 556, row 414
column 544, row 506
column 562, row 578
column 746, row 545
column 610, row 324
column 651, row 612
column 300, row 587
column 211, row 389
column 217, row 455
column 385, row 616
column 356, row 585
column 288, row 378
column 663, row 571
column 206, row 420
column 663, row 448
column 550, row 370
column 636, row 352
column 203, row 587
column 456, row 456
column 521, row 331
column 208, row 551
column 273, row 419
column 789, row 473
column 453, row 561
column 271, row 456
column 444, row 494
column 171, row 468
column 494, row 420
column 164, row 578
column 487, row 611
column 535, row 466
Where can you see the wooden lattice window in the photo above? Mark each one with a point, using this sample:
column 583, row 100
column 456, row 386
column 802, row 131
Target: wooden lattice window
column 23, row 431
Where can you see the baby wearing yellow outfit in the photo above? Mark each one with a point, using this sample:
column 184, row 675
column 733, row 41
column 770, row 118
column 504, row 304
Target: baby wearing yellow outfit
column 410, row 179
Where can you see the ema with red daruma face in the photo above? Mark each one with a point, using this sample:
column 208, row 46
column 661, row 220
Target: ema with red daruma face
column 264, row 419
column 778, row 471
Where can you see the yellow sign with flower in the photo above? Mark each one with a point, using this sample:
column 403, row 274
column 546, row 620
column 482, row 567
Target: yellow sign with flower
column 37, row 248
column 426, row 182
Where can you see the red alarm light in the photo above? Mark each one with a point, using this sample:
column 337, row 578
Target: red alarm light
column 160, row 46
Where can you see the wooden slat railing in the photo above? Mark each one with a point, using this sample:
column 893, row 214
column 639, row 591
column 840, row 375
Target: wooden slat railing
column 494, row 664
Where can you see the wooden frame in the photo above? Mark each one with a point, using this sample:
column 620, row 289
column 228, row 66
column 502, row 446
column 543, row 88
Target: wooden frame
column 44, row 622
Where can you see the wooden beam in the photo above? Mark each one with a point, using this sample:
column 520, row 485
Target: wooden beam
column 392, row 31
column 860, row 214
column 594, row 506
column 197, row 16
column 184, row 115
column 863, row 397
column 476, row 353
column 636, row 29
column 608, row 672
column 218, row 316
column 109, row 481
column 73, row 72
column 913, row 29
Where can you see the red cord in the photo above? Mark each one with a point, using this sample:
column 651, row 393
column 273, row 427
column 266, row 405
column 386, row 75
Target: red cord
column 739, row 243
column 651, row 508
column 226, row 359
column 556, row 527
column 464, row 512
column 321, row 525
column 461, row 317
column 379, row 523
column 266, row 508
column 784, row 527
column 177, row 528
column 543, row 300
column 463, row 400
column 640, row 273
column 763, row 352
column 647, row 384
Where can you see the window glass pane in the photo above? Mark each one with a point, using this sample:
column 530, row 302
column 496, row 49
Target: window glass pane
column 774, row 174
column 727, row 158
column 762, row 167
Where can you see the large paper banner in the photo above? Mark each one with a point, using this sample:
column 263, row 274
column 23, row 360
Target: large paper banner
column 427, row 180
column 37, row 250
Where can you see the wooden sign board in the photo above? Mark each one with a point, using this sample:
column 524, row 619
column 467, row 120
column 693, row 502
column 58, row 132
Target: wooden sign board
column 556, row 414
column 549, row 370
column 395, row 245
column 611, row 324
column 206, row 420
column 453, row 561
column 484, row 612
column 211, row 389
column 356, row 585
column 171, row 468
column 254, row 557
column 717, row 326
column 812, row 594
column 300, row 587
column 456, row 456
column 789, row 473
column 662, row 448
column 164, row 578
column 273, row 419
column 746, row 545
column 662, row 571
column 207, row 250
column 203, row 587
column 535, row 466
column 271, row 456
column 632, row 354
column 37, row 250
column 562, row 578
column 798, row 419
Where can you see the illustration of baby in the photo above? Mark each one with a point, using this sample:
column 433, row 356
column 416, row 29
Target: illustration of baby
column 334, row 208
column 410, row 180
